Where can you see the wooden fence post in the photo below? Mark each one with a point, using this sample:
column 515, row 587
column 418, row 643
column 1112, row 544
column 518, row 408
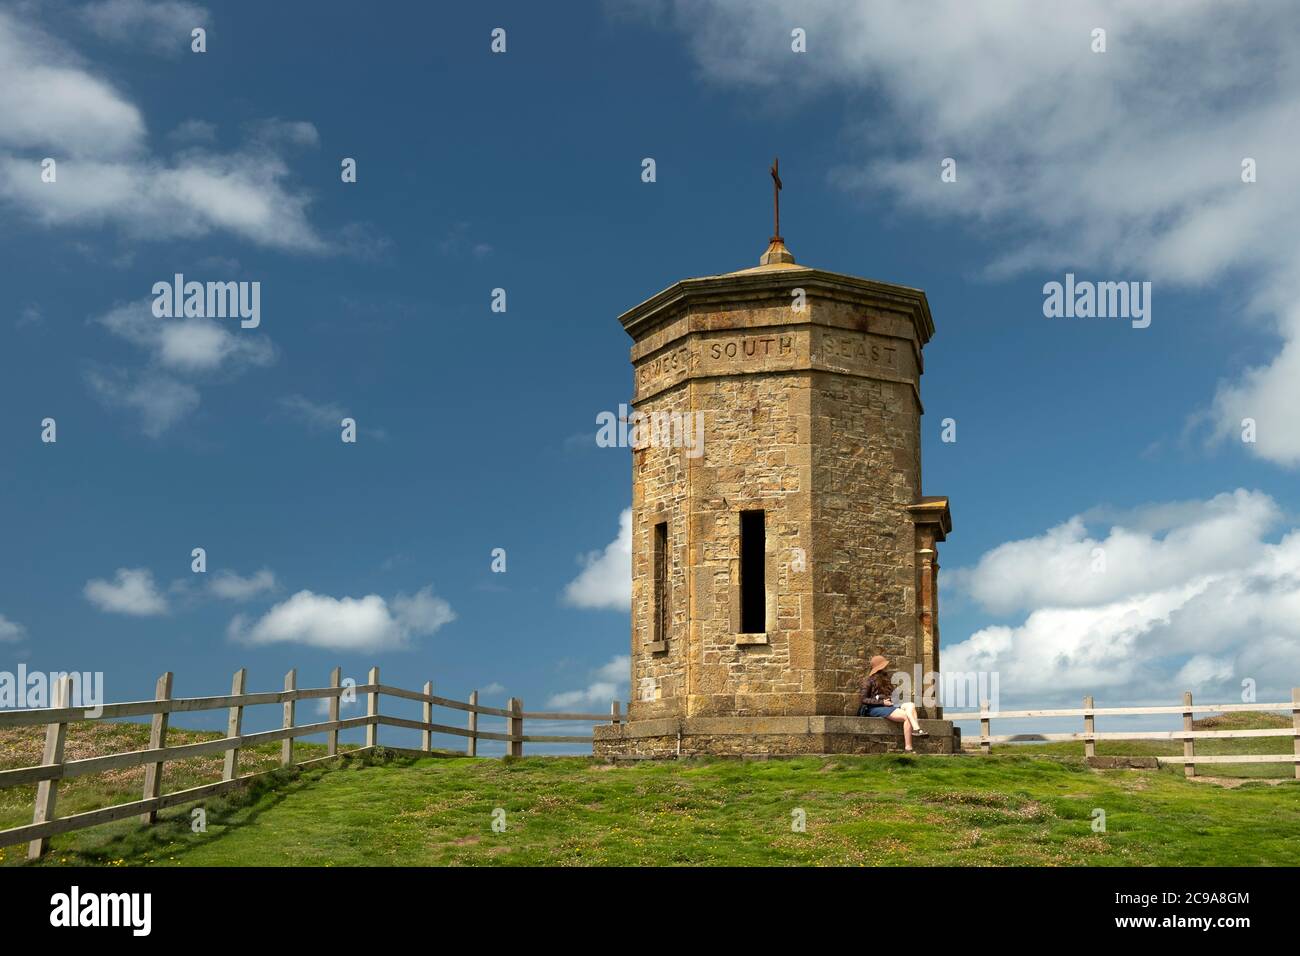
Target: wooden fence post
column 515, row 727
column 372, row 710
column 985, row 728
column 1295, row 726
column 157, row 738
column 1089, row 727
column 235, row 725
column 47, row 791
column 471, row 742
column 426, row 738
column 1189, row 743
column 615, row 717
column 332, row 745
column 290, row 705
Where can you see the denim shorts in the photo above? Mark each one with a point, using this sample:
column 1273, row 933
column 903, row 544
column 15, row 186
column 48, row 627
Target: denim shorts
column 879, row 710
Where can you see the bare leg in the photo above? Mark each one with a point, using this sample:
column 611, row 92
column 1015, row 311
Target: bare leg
column 900, row 717
column 909, row 710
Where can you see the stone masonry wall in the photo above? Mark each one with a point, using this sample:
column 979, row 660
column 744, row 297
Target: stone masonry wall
column 866, row 471
column 757, row 456
column 660, row 492
column 865, row 474
column 814, row 418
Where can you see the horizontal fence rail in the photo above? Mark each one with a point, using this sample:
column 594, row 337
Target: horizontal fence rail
column 54, row 767
column 1090, row 735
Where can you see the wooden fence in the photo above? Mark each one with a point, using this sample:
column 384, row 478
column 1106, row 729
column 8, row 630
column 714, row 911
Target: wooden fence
column 54, row 767
column 1187, row 735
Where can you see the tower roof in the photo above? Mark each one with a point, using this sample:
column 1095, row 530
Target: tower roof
column 776, row 272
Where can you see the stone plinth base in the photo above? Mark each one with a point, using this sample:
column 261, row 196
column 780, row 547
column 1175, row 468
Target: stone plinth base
column 767, row 737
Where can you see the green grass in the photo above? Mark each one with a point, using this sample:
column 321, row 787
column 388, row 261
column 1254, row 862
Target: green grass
column 1169, row 748
column 860, row 810
column 1026, row 807
column 22, row 747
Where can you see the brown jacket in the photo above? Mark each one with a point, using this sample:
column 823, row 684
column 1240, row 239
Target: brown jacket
column 875, row 689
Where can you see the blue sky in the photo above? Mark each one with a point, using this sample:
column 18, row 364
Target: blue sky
column 522, row 171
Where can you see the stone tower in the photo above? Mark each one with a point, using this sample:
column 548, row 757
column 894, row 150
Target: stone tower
column 770, row 562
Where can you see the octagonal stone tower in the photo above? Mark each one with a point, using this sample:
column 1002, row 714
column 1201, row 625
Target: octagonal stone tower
column 771, row 560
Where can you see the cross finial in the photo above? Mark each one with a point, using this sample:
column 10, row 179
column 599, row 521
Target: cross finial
column 776, row 198
column 777, row 254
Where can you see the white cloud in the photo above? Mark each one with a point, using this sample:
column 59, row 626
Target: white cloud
column 1066, row 566
column 11, row 631
column 194, row 131
column 368, row 623
column 52, row 104
column 610, row 682
column 1204, row 669
column 494, row 688
column 132, row 591
column 240, row 193
column 178, row 351
column 160, row 400
column 1266, row 394
column 1128, row 161
column 315, row 414
column 275, row 130
column 325, row 415
column 323, row 706
column 48, row 101
column 1208, row 603
column 163, row 25
column 458, row 241
column 606, row 578
column 422, row 612
column 232, row 587
column 189, row 344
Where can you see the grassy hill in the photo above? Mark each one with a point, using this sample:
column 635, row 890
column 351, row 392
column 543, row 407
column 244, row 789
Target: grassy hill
column 1014, row 808
column 1168, row 748
column 22, row 747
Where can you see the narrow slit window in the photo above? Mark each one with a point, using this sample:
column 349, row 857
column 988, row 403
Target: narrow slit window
column 661, row 610
column 753, row 587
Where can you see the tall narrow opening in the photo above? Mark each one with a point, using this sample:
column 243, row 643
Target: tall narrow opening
column 661, row 581
column 753, row 587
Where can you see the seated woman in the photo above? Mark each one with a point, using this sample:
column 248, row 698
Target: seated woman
column 876, row 702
